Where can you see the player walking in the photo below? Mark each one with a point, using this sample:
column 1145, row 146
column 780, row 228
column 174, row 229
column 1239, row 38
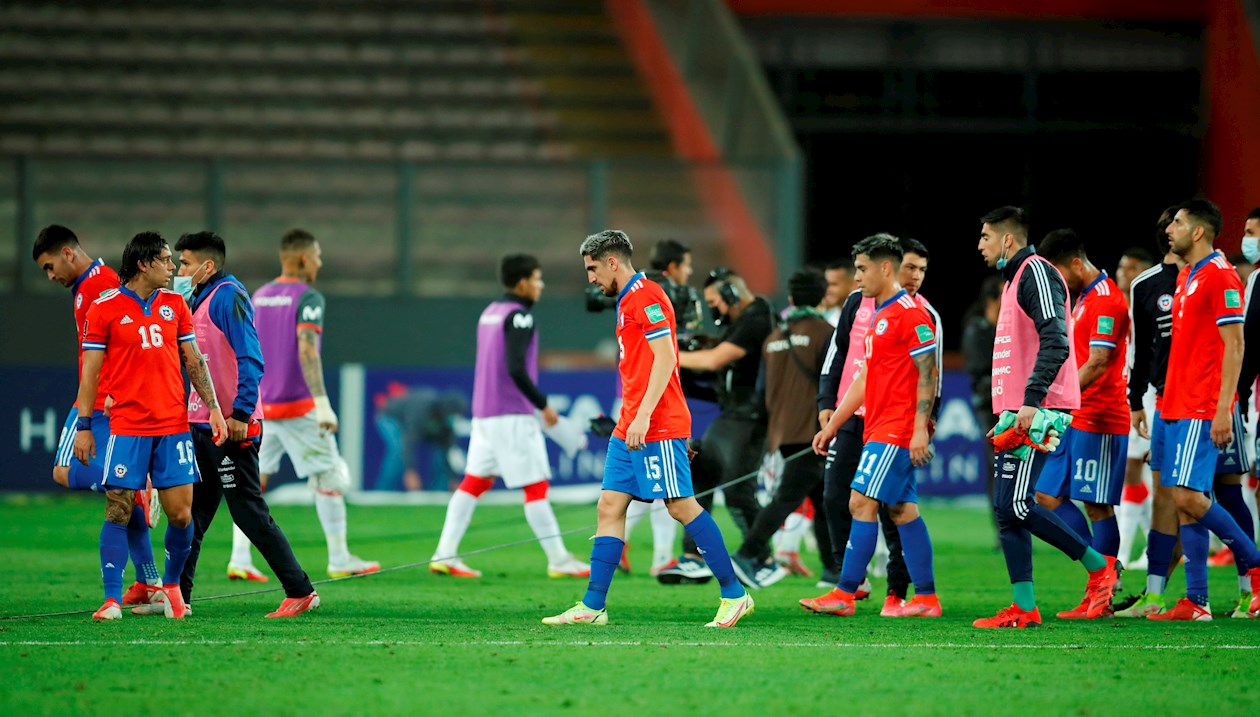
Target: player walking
column 144, row 329
column 300, row 419
column 507, row 438
column 58, row 253
column 647, row 455
column 897, row 386
column 1198, row 416
column 1089, row 464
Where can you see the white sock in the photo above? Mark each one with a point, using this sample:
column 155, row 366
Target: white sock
column 1144, row 516
column 881, row 554
column 635, row 513
column 331, row 508
column 664, row 531
column 459, row 514
column 1249, row 497
column 1244, row 583
column 542, row 520
column 1127, row 518
column 794, row 528
column 241, row 556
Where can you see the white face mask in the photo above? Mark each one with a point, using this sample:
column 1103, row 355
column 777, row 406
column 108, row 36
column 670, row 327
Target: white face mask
column 1251, row 249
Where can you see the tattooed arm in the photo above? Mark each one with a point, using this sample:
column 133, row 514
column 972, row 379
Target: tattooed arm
column 313, row 373
column 199, row 377
column 919, row 443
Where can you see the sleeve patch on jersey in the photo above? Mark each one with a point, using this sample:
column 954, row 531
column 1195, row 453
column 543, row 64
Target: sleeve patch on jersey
column 654, row 314
column 924, row 332
column 1106, row 325
column 1232, row 299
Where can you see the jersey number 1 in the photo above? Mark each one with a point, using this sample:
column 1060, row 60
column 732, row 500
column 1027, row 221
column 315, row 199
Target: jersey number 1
column 150, row 336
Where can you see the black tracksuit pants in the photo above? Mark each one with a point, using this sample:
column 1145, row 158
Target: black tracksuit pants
column 802, row 478
column 731, row 448
column 231, row 471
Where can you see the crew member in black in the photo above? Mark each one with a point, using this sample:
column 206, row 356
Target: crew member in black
column 792, row 359
column 732, row 445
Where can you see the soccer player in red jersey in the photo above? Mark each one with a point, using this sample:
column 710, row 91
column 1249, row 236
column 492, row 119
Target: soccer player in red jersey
column 57, row 251
column 647, row 454
column 897, row 385
column 144, row 329
column 1089, row 465
column 1204, row 364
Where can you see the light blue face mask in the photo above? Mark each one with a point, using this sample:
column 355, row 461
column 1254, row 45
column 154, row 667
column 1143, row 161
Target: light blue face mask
column 1251, row 249
column 184, row 285
column 1002, row 260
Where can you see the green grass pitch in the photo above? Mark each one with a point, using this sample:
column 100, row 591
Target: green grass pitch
column 408, row 642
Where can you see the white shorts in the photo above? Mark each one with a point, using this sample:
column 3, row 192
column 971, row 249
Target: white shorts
column 1138, row 446
column 510, row 447
column 310, row 450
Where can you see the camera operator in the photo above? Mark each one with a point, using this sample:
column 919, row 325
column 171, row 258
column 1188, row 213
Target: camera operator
column 732, row 445
column 792, row 357
column 671, row 268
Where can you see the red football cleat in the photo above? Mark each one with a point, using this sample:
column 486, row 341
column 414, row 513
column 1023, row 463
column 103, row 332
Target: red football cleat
column 142, row 594
column 892, row 606
column 1099, row 589
column 1013, row 616
column 1254, row 574
column 1222, row 558
column 792, row 561
column 1185, row 610
column 837, row 602
column 292, row 607
column 919, row 606
column 109, row 611
column 175, row 607
column 624, row 564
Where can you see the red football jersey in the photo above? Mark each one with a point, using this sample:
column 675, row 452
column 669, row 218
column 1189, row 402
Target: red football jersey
column 141, row 340
column 644, row 313
column 901, row 330
column 1102, row 320
column 90, row 286
column 1208, row 295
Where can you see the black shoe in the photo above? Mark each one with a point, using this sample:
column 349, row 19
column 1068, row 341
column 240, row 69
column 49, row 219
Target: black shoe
column 688, row 571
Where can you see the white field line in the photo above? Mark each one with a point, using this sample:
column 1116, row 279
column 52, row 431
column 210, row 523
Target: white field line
column 607, row 643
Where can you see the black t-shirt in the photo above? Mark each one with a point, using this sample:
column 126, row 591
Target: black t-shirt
column 749, row 332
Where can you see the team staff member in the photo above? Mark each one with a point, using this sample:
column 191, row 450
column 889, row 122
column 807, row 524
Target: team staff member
column 1033, row 367
column 223, row 319
column 145, row 330
column 792, row 358
column 731, row 447
column 295, row 403
column 1198, row 415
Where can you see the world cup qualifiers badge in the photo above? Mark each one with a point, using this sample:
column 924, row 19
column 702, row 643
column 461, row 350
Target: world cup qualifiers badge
column 167, row 312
